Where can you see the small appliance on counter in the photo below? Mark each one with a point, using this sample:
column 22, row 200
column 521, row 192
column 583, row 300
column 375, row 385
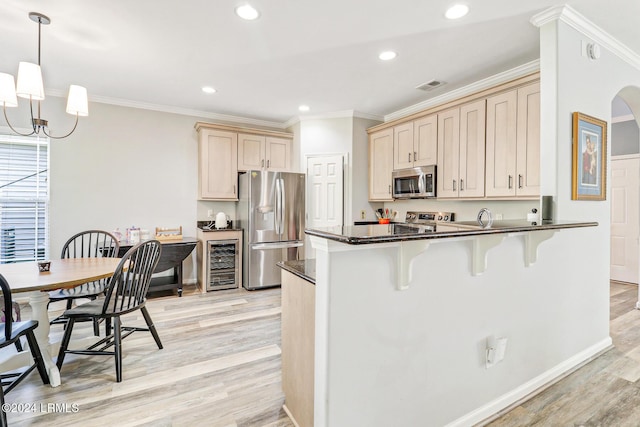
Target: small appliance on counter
column 221, row 220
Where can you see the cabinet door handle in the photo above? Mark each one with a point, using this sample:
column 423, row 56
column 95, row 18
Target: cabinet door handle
column 461, row 184
column 268, row 162
column 519, row 180
column 415, row 156
column 510, row 179
column 409, row 157
column 389, row 188
column 454, row 185
column 262, row 163
column 234, row 189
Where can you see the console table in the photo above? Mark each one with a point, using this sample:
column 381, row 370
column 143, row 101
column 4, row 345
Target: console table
column 172, row 255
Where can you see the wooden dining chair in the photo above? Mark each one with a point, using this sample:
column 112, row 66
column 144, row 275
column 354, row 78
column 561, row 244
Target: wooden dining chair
column 86, row 244
column 125, row 293
column 10, row 333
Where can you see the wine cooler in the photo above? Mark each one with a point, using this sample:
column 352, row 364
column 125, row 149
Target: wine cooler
column 224, row 264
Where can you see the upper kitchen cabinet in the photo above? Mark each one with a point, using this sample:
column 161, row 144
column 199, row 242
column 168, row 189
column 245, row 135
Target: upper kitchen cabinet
column 461, row 149
column 224, row 150
column 278, row 154
column 513, row 143
column 380, row 165
column 415, row 143
column 217, row 159
column 264, row 152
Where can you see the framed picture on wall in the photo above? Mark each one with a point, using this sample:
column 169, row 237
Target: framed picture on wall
column 589, row 158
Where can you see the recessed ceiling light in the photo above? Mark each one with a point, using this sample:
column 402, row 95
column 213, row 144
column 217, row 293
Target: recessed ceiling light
column 457, row 11
column 247, row 12
column 304, row 108
column 388, row 55
column 208, row 89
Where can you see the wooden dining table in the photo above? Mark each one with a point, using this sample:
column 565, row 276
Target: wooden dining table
column 25, row 277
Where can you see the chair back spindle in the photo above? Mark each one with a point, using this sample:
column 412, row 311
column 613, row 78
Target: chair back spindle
column 127, row 289
column 91, row 244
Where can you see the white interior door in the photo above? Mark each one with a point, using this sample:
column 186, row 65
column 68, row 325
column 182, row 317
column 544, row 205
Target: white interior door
column 324, row 191
column 625, row 219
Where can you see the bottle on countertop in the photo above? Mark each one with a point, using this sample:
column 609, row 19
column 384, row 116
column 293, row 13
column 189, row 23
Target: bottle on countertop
column 117, row 234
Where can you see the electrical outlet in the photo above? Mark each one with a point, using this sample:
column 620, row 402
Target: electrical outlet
column 210, row 213
column 498, row 217
column 363, row 214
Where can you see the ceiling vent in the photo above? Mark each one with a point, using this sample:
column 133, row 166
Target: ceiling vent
column 430, row 85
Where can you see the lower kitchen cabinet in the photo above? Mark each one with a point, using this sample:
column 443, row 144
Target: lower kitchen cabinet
column 298, row 347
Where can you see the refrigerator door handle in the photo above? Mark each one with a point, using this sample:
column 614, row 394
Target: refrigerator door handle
column 283, row 205
column 278, row 208
column 284, row 245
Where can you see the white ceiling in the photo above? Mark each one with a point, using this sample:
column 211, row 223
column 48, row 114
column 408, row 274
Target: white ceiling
column 322, row 53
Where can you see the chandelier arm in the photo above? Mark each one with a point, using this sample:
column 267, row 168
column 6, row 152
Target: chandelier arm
column 33, row 123
column 44, row 130
column 4, row 109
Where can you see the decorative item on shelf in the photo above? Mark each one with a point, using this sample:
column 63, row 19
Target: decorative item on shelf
column 164, row 233
column 30, row 87
column 44, row 266
column 589, row 158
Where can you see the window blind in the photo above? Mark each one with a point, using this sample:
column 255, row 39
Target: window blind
column 24, row 198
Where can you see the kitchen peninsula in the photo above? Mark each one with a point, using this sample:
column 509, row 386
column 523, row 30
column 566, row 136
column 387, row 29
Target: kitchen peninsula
column 402, row 320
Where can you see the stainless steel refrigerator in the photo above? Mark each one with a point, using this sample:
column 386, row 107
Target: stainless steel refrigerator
column 271, row 213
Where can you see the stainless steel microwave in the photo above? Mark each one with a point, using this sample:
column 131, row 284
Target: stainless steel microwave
column 414, row 183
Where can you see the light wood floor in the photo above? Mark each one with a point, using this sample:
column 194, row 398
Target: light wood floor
column 221, row 367
column 604, row 392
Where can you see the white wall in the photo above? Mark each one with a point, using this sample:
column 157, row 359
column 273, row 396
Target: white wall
column 346, row 136
column 123, row 167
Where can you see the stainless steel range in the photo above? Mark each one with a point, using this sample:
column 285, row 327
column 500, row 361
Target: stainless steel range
column 429, row 218
column 422, row 222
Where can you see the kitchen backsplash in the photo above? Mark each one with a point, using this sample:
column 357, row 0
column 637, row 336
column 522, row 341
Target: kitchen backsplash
column 466, row 210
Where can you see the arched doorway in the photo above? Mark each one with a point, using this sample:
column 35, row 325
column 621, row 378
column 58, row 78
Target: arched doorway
column 625, row 187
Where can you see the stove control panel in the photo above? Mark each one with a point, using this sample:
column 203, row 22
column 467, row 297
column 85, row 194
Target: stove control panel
column 428, row 217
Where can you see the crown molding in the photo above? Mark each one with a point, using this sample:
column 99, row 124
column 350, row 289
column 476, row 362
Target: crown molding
column 334, row 115
column 495, row 80
column 578, row 22
column 176, row 110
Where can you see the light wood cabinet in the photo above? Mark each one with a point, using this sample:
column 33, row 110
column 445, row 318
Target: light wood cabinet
column 380, row 165
column 528, row 141
column 263, row 152
column 224, row 150
column 217, row 160
column 298, row 347
column 278, row 154
column 448, row 164
column 415, row 143
column 425, row 141
column 461, row 149
column 513, row 143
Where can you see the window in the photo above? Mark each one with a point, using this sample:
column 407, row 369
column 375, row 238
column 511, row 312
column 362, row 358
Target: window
column 24, row 198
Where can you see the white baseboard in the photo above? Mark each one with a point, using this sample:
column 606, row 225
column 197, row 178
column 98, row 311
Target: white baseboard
column 529, row 388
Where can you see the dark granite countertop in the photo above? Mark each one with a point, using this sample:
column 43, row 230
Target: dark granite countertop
column 394, row 232
column 305, row 269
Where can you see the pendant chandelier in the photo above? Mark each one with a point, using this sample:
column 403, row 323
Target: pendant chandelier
column 30, row 86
